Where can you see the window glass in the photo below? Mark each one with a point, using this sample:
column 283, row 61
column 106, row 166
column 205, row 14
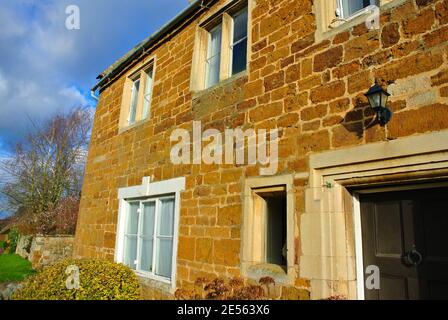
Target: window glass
column 213, row 57
column 148, row 93
column 165, row 253
column 350, row 7
column 132, row 219
column 147, row 237
column 134, row 101
column 166, row 220
column 131, row 236
column 239, row 44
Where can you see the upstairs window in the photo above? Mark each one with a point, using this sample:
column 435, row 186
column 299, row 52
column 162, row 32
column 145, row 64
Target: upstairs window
column 348, row 8
column 334, row 16
column 137, row 96
column 221, row 46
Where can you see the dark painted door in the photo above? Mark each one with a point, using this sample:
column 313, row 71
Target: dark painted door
column 405, row 234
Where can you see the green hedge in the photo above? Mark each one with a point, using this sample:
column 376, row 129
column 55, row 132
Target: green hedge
column 98, row 280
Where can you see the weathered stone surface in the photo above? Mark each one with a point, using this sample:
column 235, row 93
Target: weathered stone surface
column 429, row 118
column 390, row 35
column 328, row 92
column 328, row 59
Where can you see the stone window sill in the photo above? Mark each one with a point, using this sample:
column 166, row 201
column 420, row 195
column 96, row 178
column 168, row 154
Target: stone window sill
column 204, row 92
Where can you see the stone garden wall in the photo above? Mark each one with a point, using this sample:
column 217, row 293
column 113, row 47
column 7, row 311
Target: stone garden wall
column 43, row 251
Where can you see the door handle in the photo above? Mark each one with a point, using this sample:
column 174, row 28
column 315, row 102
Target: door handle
column 413, row 258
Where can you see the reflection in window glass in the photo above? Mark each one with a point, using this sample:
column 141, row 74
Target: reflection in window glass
column 239, row 43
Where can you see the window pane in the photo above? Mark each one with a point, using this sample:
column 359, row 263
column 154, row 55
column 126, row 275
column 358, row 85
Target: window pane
column 240, row 26
column 215, row 41
column 350, row 7
column 239, row 57
column 132, row 219
column 166, row 219
column 148, row 93
column 146, row 254
column 130, row 251
column 148, row 219
column 213, row 67
column 134, row 100
column 165, row 253
column 213, row 62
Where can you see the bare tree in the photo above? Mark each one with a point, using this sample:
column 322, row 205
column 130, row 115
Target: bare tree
column 49, row 165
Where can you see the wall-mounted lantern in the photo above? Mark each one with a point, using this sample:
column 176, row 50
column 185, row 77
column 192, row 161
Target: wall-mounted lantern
column 378, row 99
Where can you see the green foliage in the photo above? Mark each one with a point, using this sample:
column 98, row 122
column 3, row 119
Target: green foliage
column 14, row 268
column 13, row 238
column 3, row 244
column 98, row 280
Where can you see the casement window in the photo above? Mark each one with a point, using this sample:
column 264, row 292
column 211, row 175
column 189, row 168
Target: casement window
column 269, row 217
column 148, row 240
column 137, row 96
column 268, row 227
column 221, row 46
column 333, row 16
column 147, row 232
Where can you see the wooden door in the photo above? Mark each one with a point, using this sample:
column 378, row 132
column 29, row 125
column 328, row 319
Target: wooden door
column 405, row 234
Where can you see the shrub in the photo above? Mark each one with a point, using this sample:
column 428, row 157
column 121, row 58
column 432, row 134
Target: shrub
column 13, row 239
column 98, row 280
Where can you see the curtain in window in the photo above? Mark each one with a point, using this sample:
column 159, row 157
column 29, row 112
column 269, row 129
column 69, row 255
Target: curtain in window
column 239, row 46
column 213, row 63
column 147, row 236
column 165, row 238
column 131, row 236
column 134, row 100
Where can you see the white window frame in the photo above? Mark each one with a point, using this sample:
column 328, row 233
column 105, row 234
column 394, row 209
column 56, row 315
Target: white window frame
column 147, row 192
column 340, row 10
column 233, row 44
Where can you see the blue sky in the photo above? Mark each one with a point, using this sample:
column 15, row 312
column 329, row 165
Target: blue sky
column 45, row 68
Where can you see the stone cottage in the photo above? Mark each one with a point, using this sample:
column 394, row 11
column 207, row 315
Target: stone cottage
column 357, row 203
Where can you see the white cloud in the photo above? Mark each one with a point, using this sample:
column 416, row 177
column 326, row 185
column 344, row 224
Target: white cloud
column 74, row 96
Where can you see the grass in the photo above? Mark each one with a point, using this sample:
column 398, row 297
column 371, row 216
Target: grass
column 14, row 268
